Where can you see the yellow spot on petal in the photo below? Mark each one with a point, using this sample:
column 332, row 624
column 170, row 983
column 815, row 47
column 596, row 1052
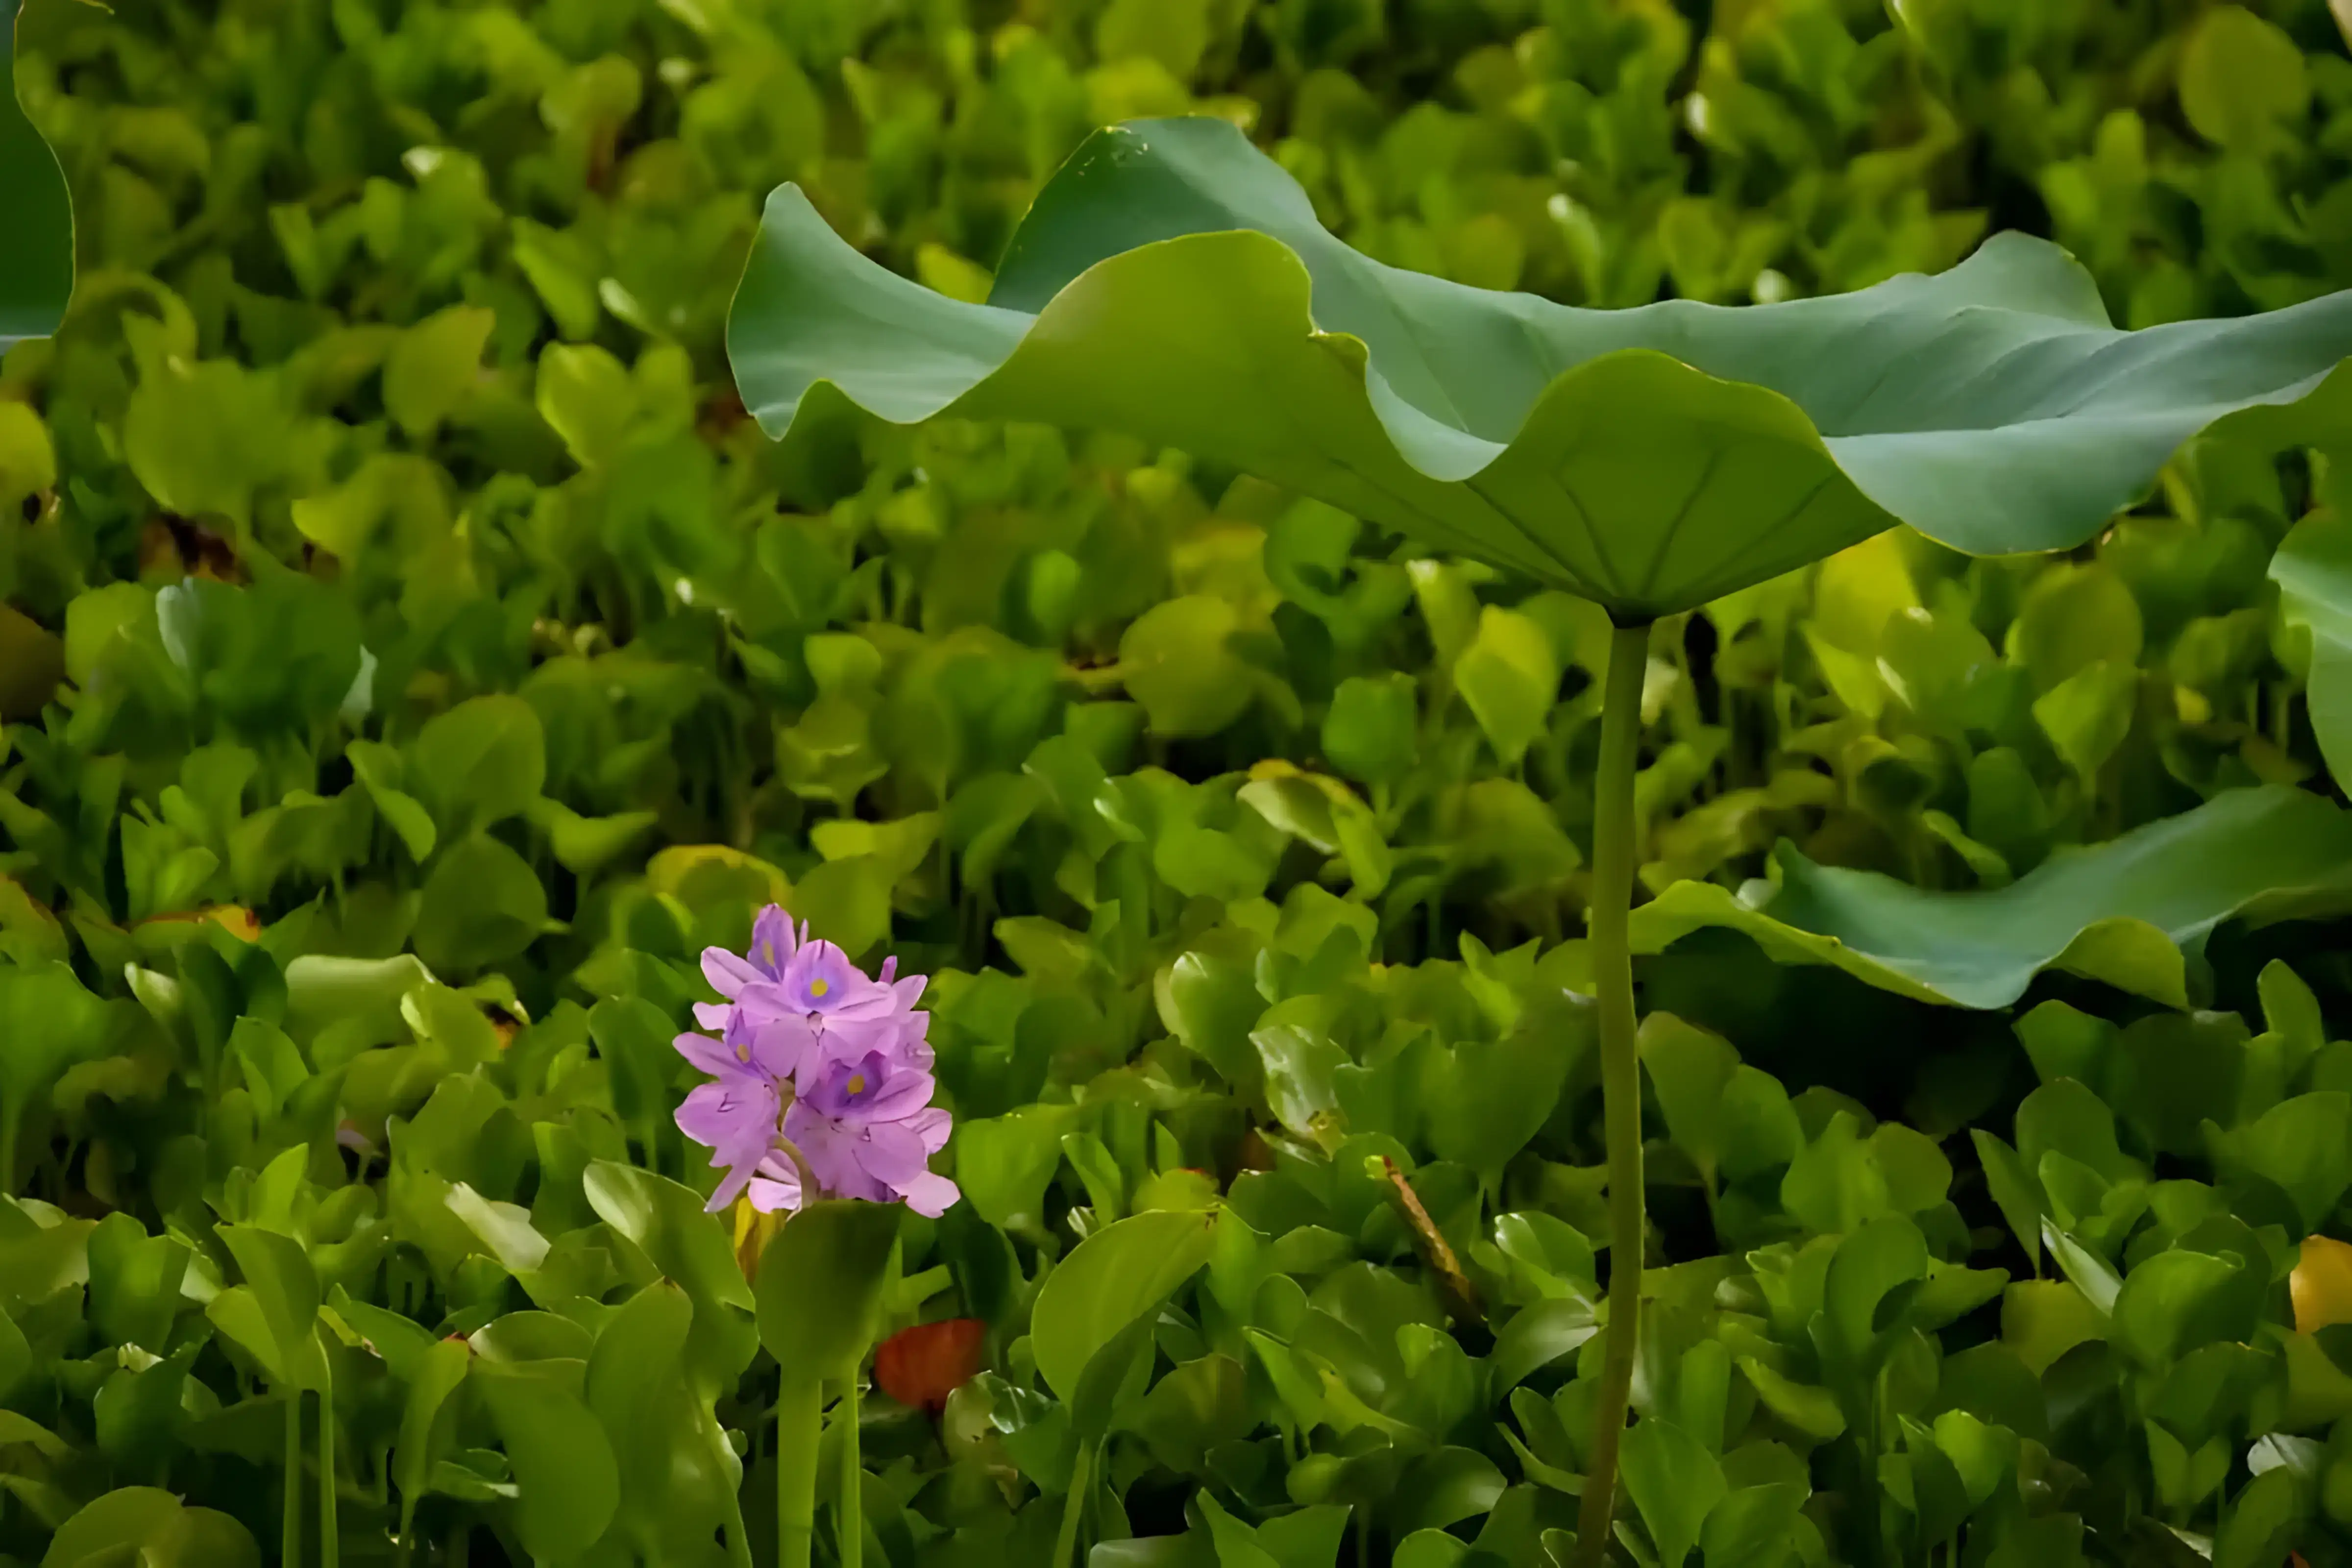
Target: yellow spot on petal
column 744, row 1052
column 2321, row 1285
column 818, row 987
column 858, row 1083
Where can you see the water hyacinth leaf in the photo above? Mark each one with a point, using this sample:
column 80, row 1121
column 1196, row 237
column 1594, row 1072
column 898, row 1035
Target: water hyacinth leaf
column 135, row 1283
column 1675, row 1482
column 820, row 1284
column 436, row 1372
column 480, row 763
column 2299, row 1146
column 51, row 1020
column 36, row 263
column 666, row 1223
column 483, row 904
column 1004, row 1163
column 1108, row 1282
column 1447, row 1487
column 1536, row 1337
column 2313, row 569
column 286, row 1287
column 138, row 1411
column 2120, row 911
column 634, row 1384
column 1752, row 1527
column 147, row 1524
column 2178, row 1301
column 2264, row 1522
column 1173, row 283
column 570, row 1484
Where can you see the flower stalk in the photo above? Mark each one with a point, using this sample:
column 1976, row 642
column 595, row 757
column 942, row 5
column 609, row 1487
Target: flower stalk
column 852, row 1523
column 819, row 1090
column 800, row 1424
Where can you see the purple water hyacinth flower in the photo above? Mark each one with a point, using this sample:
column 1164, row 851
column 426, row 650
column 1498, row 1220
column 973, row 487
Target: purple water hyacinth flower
column 821, row 1074
column 868, row 1129
column 736, row 1114
column 775, row 941
column 777, row 1184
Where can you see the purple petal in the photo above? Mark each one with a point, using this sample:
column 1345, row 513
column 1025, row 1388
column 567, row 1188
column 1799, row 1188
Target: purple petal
column 728, row 973
column 930, row 1195
column 830, row 1149
column 821, row 979
column 707, row 1055
column 932, row 1124
column 776, row 1186
column 780, row 1045
column 773, row 942
column 730, row 1187
column 902, row 1094
column 890, row 1153
column 714, row 1016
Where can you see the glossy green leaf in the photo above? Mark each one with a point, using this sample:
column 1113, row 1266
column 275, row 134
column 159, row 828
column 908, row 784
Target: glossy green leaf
column 437, row 1372
column 570, row 1484
column 1446, row 1488
column 2178, row 1301
column 434, row 365
column 146, row 1525
column 1538, row 1336
column 821, row 1283
column 286, row 1287
column 135, row 1283
column 2313, row 569
column 1173, row 283
column 36, row 264
column 480, row 763
column 2120, row 911
column 1675, row 1482
column 1109, row 1282
column 1752, row 1526
column 482, row 905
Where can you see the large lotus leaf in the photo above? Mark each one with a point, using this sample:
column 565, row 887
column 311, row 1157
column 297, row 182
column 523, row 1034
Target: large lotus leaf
column 1172, row 282
column 2122, row 911
column 36, row 221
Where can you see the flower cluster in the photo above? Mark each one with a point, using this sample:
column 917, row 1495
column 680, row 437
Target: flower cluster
column 821, row 1077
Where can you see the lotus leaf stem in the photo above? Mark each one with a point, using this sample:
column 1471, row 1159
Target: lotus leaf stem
column 1621, row 1073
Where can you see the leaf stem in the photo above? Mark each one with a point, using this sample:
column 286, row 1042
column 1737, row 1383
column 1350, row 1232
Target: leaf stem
column 1621, row 1073
column 1073, row 1507
column 12, row 1112
column 330, row 1539
column 800, row 1422
column 289, row 1547
column 852, row 1523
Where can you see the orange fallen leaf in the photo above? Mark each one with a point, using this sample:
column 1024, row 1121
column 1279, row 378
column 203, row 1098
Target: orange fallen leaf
column 2322, row 1285
column 922, row 1366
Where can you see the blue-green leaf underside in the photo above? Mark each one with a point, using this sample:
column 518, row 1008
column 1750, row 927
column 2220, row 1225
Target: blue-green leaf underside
column 2124, row 912
column 1172, row 282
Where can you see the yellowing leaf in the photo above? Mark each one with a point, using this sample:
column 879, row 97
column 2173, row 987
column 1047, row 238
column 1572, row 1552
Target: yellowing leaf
column 2322, row 1284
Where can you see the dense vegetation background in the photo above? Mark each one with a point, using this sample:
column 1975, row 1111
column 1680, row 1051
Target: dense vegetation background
column 411, row 657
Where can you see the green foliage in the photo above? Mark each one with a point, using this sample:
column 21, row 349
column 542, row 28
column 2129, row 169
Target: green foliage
column 410, row 658
column 36, row 266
